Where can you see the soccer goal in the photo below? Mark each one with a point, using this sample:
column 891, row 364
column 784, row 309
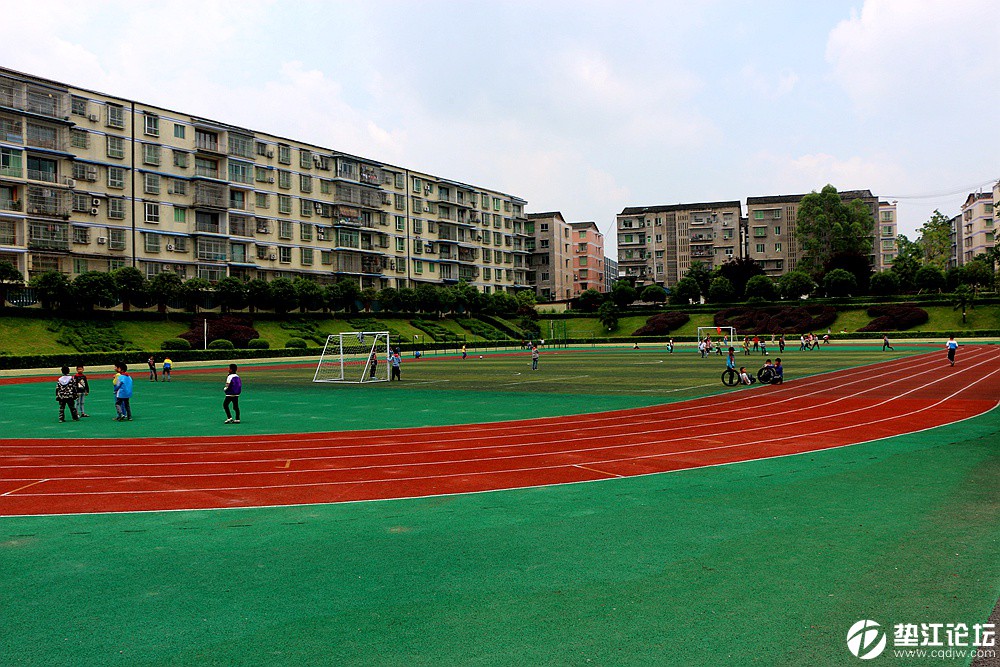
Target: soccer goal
column 354, row 356
column 725, row 335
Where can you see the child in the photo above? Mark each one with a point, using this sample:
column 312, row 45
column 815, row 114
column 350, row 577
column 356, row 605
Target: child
column 167, row 366
column 952, row 347
column 151, row 362
column 779, row 372
column 744, row 377
column 394, row 362
column 534, row 358
column 82, row 389
column 464, row 353
column 373, row 360
column 66, row 395
column 670, row 346
column 123, row 392
column 234, row 385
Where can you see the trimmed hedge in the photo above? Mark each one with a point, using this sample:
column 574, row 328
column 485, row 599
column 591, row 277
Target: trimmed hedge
column 776, row 320
column 662, row 324
column 258, row 344
column 221, row 344
column 295, row 343
column 895, row 318
column 175, row 344
column 233, row 328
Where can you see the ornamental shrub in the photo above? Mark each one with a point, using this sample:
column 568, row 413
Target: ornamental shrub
column 895, row 318
column 776, row 319
column 221, row 344
column 175, row 344
column 296, row 343
column 258, row 344
column 662, row 324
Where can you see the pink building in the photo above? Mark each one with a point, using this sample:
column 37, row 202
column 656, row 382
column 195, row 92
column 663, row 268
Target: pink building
column 587, row 246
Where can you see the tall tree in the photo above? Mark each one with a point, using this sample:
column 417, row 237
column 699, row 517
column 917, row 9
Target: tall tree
column 130, row 285
column 702, row 275
column 195, row 291
column 826, row 226
column 283, row 295
column 909, row 257
column 52, row 289
column 94, row 288
column 684, row 292
column 623, row 294
column 232, row 293
column 258, row 294
column 795, row 284
column 164, row 287
column 935, row 241
column 309, row 294
column 739, row 271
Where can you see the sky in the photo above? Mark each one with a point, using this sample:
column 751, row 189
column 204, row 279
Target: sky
column 580, row 107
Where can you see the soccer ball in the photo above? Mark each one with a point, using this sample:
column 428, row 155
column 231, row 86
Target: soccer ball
column 480, row 356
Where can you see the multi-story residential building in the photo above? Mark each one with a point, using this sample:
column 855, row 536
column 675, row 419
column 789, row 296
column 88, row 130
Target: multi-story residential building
column 978, row 226
column 657, row 244
column 885, row 236
column 771, row 224
column 955, row 237
column 587, row 243
column 610, row 273
column 552, row 258
column 89, row 181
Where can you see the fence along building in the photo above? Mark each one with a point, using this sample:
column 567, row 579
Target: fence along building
column 90, row 182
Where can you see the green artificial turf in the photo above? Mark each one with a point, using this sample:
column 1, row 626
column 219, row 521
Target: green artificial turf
column 767, row 562
column 436, row 390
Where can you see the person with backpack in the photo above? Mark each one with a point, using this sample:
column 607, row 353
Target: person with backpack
column 82, row 389
column 123, row 392
column 66, row 395
column 233, row 388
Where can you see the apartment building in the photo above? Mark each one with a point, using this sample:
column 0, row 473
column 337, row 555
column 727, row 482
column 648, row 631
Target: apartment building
column 610, row 273
column 552, row 257
column 657, row 244
column 885, row 236
column 89, row 181
column 587, row 243
column 771, row 225
column 977, row 231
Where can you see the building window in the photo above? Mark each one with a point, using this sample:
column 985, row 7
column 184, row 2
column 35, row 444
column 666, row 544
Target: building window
column 152, row 243
column 152, row 184
column 305, row 231
column 758, row 215
column 211, row 249
column 496, row 203
column 261, row 199
column 284, row 178
column 284, row 155
column 205, row 140
column 116, row 147
column 79, row 138
column 305, row 183
column 81, row 235
column 116, row 177
column 152, row 212
column 178, row 131
column 151, row 154
column 305, row 208
column 284, row 229
column 759, row 232
column 777, row 231
column 116, row 209
column 240, row 172
column 777, row 247
column 180, row 159
column 116, row 116
column 152, row 125
column 776, row 214
column 284, row 204
column 759, row 248
column 260, row 174
column 261, row 148
column 116, row 239
column 78, row 106
column 305, row 158
column 178, row 187
column 180, row 214
column 285, row 255
column 241, row 145
column 306, row 256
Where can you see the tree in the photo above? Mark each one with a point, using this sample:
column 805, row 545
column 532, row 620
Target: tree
column 909, row 258
column 795, row 285
column 503, row 303
column 739, row 271
column 232, row 293
column 388, row 298
column 963, row 297
column 934, row 238
column 589, row 300
column 368, row 297
column 607, row 315
column 929, row 279
column 258, row 294
column 623, row 294
column 350, row 294
column 884, row 283
column 130, row 285
column 721, row 290
column 653, row 294
column 194, row 292
column 826, row 226
column 978, row 273
column 52, row 289
column 702, row 275
column 9, row 277
column 309, row 294
column 860, row 266
column 526, row 298
column 94, row 288
column 446, row 299
column 408, row 301
column 685, row 291
column 839, row 283
column 427, row 298
column 761, row 288
column 283, row 295
column 163, row 288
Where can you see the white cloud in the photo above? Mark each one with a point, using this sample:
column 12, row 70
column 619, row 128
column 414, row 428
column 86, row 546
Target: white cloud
column 768, row 87
column 897, row 55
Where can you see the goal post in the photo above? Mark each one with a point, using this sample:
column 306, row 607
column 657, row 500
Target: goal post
column 354, row 357
column 727, row 335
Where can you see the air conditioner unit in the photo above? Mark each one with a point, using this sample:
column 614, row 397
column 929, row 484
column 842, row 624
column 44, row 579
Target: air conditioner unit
column 95, row 202
column 427, row 188
column 170, row 247
column 427, row 208
column 270, row 179
column 94, row 117
column 70, row 182
column 430, row 247
column 392, row 264
column 101, row 240
column 95, row 211
column 270, row 153
column 272, row 257
column 318, row 207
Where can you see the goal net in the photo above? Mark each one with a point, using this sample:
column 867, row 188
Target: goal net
column 724, row 336
column 354, row 356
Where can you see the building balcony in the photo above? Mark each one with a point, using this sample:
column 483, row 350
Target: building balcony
column 35, row 100
column 208, row 195
column 11, row 205
column 46, row 176
column 48, row 202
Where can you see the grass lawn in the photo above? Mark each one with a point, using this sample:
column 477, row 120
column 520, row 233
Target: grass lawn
column 27, row 335
column 150, row 335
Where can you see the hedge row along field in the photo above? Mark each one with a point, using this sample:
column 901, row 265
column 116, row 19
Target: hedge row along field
column 662, row 324
column 777, row 320
column 895, row 318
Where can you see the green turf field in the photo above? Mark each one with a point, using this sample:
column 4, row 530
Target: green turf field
column 435, row 390
column 767, row 562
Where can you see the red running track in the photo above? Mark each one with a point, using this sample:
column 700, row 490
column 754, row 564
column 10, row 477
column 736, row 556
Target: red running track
column 830, row 410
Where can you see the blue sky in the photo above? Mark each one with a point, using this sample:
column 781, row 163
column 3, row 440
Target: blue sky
column 581, row 107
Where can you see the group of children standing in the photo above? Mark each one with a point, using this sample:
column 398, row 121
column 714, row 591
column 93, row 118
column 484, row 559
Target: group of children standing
column 72, row 391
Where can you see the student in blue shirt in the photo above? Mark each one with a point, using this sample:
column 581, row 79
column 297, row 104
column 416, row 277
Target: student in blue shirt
column 123, row 392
